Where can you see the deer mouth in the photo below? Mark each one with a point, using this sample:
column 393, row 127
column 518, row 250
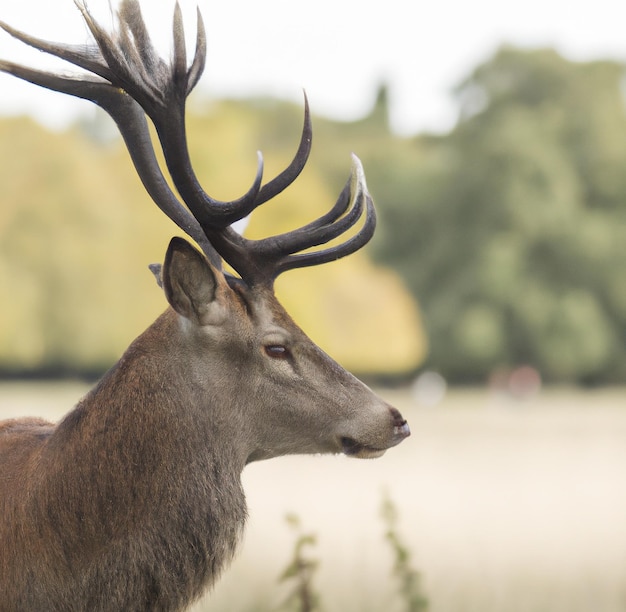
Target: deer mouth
column 352, row 448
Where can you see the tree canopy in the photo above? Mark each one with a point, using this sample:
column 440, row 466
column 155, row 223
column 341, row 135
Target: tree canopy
column 511, row 229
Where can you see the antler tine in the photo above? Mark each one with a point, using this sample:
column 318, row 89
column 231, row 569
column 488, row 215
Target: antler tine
column 87, row 57
column 199, row 59
column 291, row 173
column 322, row 230
column 179, row 65
column 140, row 43
column 260, row 261
column 352, row 245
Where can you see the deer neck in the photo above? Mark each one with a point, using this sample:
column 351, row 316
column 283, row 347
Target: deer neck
column 147, row 463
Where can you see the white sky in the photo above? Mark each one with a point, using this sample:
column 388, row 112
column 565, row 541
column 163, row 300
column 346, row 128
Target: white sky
column 338, row 50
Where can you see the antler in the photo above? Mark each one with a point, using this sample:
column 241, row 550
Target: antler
column 129, row 80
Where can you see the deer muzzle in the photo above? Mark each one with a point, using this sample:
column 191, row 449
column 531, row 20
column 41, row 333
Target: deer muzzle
column 399, row 430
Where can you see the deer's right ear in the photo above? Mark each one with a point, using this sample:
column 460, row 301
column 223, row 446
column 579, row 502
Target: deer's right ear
column 191, row 284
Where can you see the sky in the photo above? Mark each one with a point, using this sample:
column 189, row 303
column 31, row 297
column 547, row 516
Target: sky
column 338, row 50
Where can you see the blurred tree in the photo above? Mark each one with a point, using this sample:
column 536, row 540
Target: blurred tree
column 511, row 229
column 77, row 231
column 73, row 249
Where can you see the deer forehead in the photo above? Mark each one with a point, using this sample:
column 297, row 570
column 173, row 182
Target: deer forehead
column 270, row 319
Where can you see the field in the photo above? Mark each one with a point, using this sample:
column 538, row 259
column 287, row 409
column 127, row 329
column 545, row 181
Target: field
column 507, row 506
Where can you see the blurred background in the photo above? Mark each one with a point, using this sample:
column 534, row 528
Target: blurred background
column 490, row 306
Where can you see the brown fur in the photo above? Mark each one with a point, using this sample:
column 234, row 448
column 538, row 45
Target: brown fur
column 121, row 506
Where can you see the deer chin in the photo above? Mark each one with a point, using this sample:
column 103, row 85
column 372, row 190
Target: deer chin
column 352, row 448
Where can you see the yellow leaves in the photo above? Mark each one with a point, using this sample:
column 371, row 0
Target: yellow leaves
column 361, row 315
column 77, row 231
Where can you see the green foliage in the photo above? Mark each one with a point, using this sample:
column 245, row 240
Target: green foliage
column 511, row 229
column 410, row 582
column 300, row 572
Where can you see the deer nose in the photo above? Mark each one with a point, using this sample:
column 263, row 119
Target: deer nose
column 401, row 428
column 402, row 431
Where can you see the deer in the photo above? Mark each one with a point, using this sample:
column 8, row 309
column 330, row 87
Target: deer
column 133, row 501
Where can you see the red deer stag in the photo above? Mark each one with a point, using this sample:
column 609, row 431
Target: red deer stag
column 133, row 501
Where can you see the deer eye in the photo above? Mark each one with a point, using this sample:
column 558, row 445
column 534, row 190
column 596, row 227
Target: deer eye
column 277, row 351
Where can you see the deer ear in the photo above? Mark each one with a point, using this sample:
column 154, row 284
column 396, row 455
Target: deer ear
column 190, row 283
column 156, row 269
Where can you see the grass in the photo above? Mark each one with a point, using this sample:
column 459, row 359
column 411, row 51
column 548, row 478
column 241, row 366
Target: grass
column 409, row 579
column 503, row 507
column 299, row 573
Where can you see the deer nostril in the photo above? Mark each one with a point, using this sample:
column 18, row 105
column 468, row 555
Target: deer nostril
column 402, row 431
column 398, row 419
column 400, row 426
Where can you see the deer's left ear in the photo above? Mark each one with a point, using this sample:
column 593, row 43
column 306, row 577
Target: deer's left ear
column 191, row 284
column 157, row 269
